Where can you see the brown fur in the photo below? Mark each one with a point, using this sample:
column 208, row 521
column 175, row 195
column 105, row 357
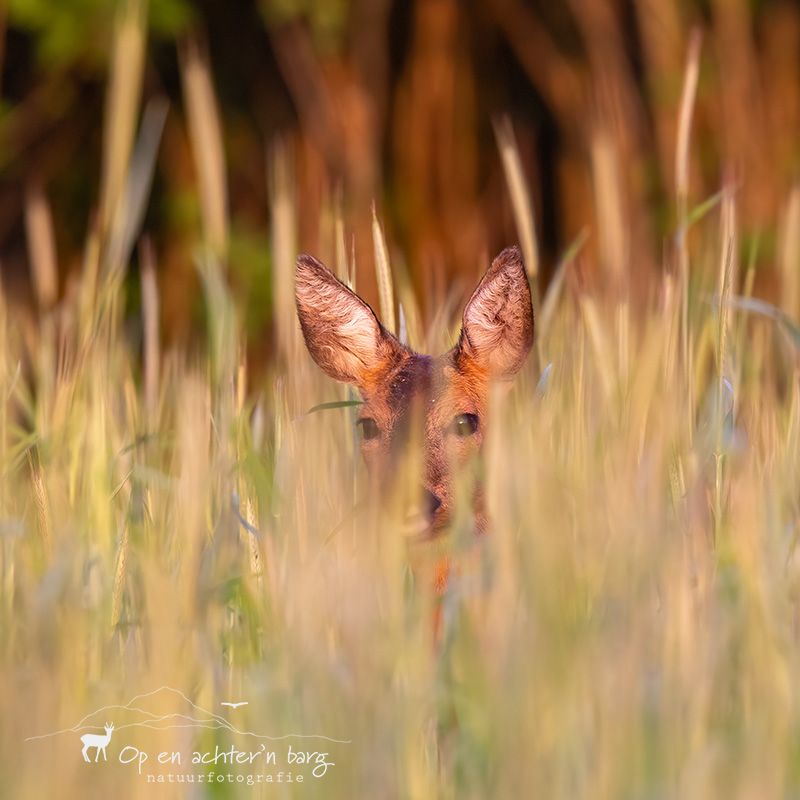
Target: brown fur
column 404, row 391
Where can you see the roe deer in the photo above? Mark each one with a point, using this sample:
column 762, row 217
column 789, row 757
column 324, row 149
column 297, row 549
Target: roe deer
column 98, row 741
column 449, row 394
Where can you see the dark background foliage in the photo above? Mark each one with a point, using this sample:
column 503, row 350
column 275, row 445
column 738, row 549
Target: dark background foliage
column 394, row 103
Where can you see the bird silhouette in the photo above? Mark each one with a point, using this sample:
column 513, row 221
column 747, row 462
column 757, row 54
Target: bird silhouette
column 234, row 705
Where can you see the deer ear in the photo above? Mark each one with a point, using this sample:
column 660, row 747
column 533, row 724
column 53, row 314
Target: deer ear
column 497, row 328
column 341, row 331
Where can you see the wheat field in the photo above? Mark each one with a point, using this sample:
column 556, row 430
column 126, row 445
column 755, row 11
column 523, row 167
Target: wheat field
column 177, row 533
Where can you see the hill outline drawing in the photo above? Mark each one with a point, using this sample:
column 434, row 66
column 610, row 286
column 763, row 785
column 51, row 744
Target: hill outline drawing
column 210, row 720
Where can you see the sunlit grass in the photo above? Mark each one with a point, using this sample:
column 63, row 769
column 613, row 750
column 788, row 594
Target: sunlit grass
column 627, row 628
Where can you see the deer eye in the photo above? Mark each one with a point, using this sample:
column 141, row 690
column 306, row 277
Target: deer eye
column 369, row 428
column 464, row 425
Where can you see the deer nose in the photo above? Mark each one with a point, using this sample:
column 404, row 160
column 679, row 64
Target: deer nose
column 431, row 503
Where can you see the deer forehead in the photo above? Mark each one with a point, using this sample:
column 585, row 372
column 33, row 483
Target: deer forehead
column 433, row 388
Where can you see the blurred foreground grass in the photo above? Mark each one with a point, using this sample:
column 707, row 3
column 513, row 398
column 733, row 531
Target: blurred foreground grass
column 628, row 629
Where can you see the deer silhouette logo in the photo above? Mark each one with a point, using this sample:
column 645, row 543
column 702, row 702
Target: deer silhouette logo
column 97, row 741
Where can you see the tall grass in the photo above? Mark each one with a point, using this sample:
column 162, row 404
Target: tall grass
column 627, row 629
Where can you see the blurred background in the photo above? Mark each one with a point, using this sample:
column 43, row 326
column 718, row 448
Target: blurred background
column 170, row 516
column 400, row 104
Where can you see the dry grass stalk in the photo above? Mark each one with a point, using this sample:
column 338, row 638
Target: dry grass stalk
column 284, row 245
column 253, row 552
column 122, row 105
column 130, row 210
column 42, row 502
column 724, row 388
column 205, row 133
column 520, row 199
column 383, row 275
column 688, row 97
column 87, row 290
column 725, row 279
column 790, row 256
column 41, row 246
column 150, row 325
column 613, row 238
column 604, row 363
column 120, row 572
column 344, row 271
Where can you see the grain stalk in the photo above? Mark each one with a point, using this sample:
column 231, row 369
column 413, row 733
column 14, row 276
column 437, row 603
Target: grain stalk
column 383, row 275
column 724, row 293
column 205, row 134
column 688, row 96
column 520, row 200
column 150, row 326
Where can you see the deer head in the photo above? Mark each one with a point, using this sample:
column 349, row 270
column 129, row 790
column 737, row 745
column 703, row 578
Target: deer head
column 443, row 399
